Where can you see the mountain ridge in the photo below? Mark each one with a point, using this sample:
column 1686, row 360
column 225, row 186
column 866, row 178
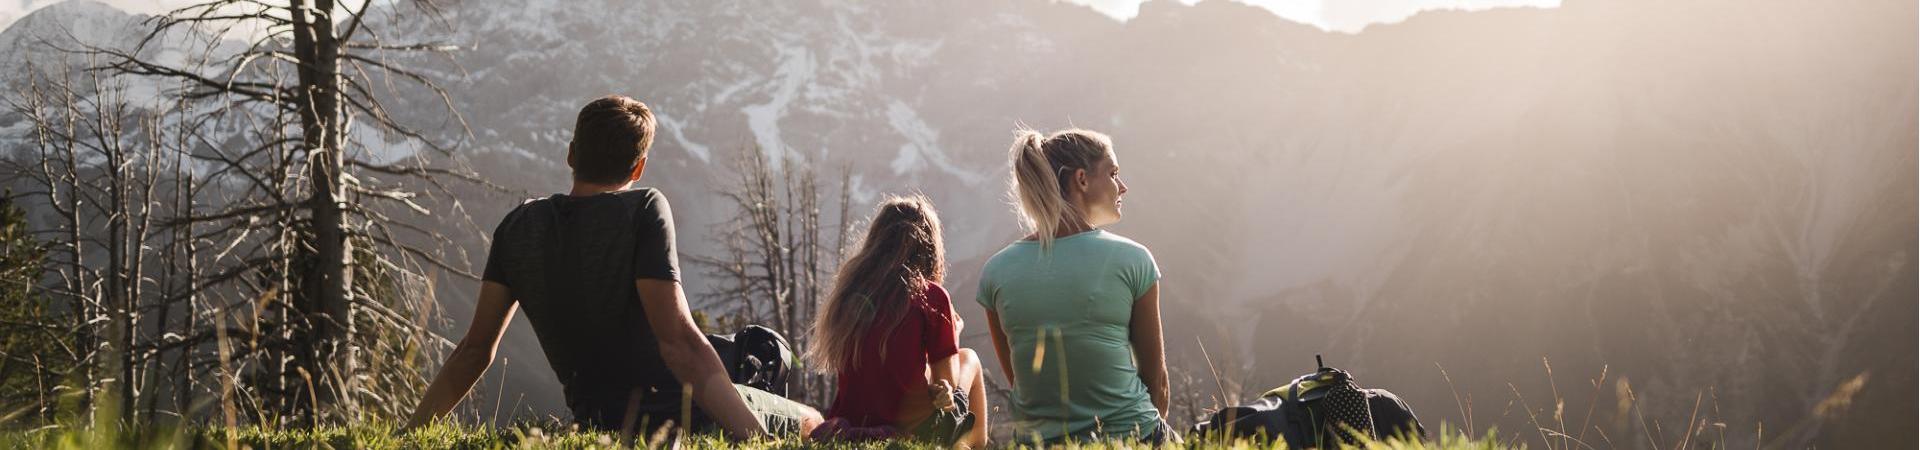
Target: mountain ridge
column 1665, row 190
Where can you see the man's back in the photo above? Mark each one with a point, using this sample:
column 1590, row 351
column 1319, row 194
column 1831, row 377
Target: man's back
column 571, row 263
column 597, row 275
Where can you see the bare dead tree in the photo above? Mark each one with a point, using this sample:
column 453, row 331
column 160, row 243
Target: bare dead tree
column 772, row 263
column 93, row 171
column 245, row 235
column 341, row 211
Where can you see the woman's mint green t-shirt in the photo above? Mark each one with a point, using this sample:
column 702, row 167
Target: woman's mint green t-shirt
column 1065, row 312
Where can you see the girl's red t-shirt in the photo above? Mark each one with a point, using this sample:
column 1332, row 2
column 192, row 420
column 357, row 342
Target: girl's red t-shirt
column 869, row 394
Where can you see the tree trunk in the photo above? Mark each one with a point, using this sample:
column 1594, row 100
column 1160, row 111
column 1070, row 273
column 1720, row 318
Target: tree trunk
column 183, row 199
column 324, row 297
column 122, row 329
column 78, row 285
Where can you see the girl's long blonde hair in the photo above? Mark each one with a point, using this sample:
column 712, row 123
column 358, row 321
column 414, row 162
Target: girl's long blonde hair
column 900, row 254
column 1040, row 168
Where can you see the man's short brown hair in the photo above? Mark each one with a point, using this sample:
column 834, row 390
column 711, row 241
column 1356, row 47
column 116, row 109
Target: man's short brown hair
column 609, row 138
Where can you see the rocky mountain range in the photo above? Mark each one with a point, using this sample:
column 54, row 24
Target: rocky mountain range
column 1711, row 199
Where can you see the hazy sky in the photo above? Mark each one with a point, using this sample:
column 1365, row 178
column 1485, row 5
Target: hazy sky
column 11, row 10
column 1340, row 15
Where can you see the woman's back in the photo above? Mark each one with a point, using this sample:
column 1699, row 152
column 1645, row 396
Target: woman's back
column 1066, row 312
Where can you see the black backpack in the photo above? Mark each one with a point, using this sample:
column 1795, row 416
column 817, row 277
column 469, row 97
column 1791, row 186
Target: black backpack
column 756, row 357
column 1321, row 409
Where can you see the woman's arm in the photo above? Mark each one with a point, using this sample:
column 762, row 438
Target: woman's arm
column 1000, row 345
column 470, row 357
column 1148, row 347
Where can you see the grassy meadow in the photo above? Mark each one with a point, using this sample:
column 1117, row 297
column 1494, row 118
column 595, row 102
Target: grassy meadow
column 447, row 435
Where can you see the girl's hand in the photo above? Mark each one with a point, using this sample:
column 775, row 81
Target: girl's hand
column 942, row 393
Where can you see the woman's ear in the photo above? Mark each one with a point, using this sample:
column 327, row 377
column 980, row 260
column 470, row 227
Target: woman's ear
column 1080, row 179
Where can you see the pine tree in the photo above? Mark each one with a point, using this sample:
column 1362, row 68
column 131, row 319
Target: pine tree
column 36, row 352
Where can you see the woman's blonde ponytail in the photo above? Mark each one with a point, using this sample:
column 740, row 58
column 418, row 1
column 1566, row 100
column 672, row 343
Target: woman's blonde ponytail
column 1038, row 163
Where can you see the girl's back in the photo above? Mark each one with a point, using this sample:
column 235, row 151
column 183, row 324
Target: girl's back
column 893, row 361
column 888, row 333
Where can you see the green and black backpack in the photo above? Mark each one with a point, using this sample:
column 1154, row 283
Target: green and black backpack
column 756, row 357
column 1317, row 410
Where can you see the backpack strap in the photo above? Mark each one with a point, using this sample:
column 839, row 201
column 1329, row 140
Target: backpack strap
column 1299, row 431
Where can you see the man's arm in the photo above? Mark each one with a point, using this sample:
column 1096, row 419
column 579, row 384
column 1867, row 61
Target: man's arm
column 470, row 357
column 692, row 359
column 1148, row 348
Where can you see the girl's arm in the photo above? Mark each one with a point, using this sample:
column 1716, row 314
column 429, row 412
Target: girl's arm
column 1148, row 347
column 946, row 368
column 943, row 371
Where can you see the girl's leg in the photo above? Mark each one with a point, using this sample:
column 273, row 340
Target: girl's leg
column 973, row 382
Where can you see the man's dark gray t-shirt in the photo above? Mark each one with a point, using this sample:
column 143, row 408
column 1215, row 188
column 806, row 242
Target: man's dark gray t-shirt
column 571, row 262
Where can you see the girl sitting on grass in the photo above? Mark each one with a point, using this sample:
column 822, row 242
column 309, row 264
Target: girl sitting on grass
column 888, row 333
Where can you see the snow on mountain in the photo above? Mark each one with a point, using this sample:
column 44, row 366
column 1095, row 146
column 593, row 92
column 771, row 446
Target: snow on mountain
column 796, row 70
column 1680, row 192
column 1388, row 196
column 38, row 36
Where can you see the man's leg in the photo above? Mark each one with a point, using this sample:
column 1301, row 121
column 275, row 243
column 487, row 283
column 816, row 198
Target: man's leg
column 781, row 416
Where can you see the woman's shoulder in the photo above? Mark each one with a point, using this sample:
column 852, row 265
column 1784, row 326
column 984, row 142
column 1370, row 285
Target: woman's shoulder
column 1111, row 239
column 1008, row 254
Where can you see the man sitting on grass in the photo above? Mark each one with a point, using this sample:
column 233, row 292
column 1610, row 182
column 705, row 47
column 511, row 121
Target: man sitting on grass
column 597, row 273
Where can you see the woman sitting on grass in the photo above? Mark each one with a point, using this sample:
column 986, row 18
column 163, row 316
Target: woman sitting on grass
column 889, row 334
column 1075, row 310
